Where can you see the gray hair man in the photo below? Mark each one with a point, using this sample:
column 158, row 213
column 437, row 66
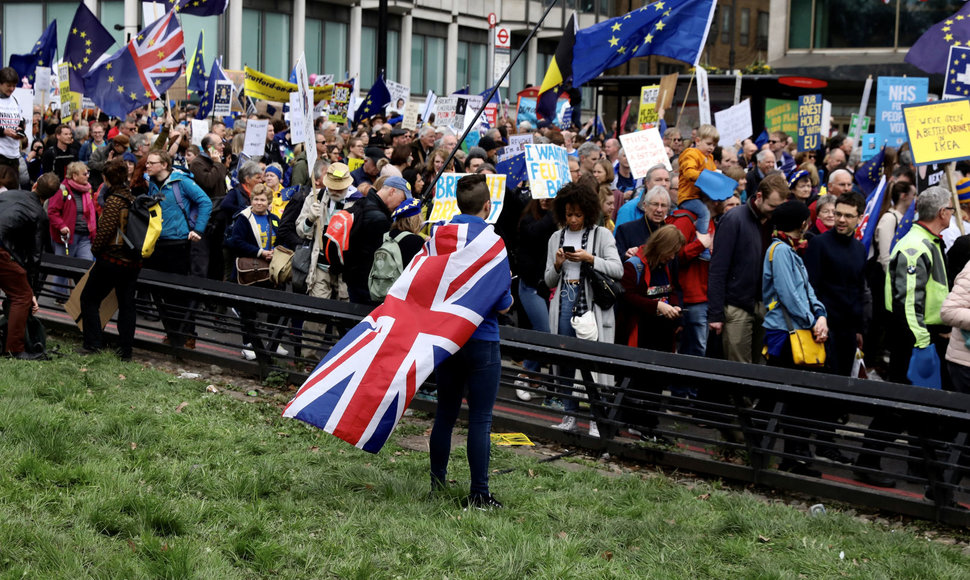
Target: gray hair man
column 589, row 153
column 633, row 234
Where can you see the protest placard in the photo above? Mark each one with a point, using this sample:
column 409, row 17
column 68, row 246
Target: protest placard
column 517, row 143
column 411, row 112
column 809, row 122
column 255, row 144
column 644, row 149
column 648, row 106
column 891, row 94
column 429, row 104
column 858, row 126
column 956, row 84
column 323, row 80
column 42, row 85
column 781, row 115
column 938, row 132
column 222, row 101
column 304, row 113
column 200, row 127
column 446, row 203
column 703, row 96
column 930, row 174
column 296, row 124
column 465, row 108
column 339, row 103
column 25, row 98
column 444, row 111
column 399, row 97
column 871, row 144
column 548, row 167
column 258, row 85
column 668, row 86
column 734, row 123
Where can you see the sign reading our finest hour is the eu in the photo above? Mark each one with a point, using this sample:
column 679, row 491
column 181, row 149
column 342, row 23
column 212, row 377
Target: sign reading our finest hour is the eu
column 809, row 122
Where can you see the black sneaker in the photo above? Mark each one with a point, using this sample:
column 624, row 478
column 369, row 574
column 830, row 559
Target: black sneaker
column 23, row 355
column 832, row 455
column 799, row 468
column 483, row 502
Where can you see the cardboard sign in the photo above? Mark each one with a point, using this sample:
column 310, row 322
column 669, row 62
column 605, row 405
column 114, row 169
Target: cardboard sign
column 339, row 103
column 648, row 106
column 465, row 108
column 644, row 149
column 781, row 115
column 809, row 122
column 668, row 86
column 734, row 123
column 871, row 144
column 222, row 101
column 255, row 144
column 73, row 305
column 296, row 124
column 548, row 167
column 891, row 94
column 938, row 132
column 411, row 112
column 42, row 85
column 446, row 202
column 200, row 127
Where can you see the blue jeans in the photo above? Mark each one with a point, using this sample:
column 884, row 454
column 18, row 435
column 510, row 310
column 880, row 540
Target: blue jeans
column 698, row 208
column 80, row 247
column 569, row 296
column 538, row 312
column 472, row 372
column 693, row 339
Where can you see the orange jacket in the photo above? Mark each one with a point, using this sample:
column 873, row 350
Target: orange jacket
column 692, row 162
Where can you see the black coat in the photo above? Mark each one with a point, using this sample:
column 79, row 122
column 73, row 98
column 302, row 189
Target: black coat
column 737, row 262
column 23, row 225
column 372, row 220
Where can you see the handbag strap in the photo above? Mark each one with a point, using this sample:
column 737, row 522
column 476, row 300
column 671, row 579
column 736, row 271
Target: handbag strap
column 784, row 311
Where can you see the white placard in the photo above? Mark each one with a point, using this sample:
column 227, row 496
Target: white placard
column 429, row 105
column 734, row 123
column 827, row 119
column 255, row 145
column 517, row 143
column 444, row 111
column 465, row 108
column 548, row 169
column 703, row 96
column 305, row 115
column 152, row 11
column 296, row 119
column 25, row 98
column 644, row 149
column 446, row 204
column 42, row 85
column 399, row 97
column 222, row 100
column 323, row 80
column 411, row 112
column 200, row 127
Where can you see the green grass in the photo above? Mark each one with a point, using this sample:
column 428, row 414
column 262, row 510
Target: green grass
column 100, row 477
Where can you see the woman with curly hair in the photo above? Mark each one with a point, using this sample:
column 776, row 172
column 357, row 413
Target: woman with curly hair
column 578, row 246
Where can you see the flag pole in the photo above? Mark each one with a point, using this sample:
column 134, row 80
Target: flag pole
column 474, row 123
column 686, row 95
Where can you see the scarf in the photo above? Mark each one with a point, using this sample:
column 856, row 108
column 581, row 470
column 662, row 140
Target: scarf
column 77, row 187
column 579, row 307
column 799, row 246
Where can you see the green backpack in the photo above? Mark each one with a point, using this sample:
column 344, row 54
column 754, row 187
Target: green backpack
column 387, row 267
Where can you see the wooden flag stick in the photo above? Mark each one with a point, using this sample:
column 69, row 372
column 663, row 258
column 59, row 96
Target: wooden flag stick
column 687, row 94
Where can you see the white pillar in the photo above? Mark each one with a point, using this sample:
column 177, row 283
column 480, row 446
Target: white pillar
column 235, row 36
column 298, row 32
column 131, row 19
column 451, row 51
column 353, row 55
column 92, row 6
column 531, row 56
column 404, row 52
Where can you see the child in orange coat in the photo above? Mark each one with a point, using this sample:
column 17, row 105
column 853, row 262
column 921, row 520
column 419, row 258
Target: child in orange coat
column 692, row 161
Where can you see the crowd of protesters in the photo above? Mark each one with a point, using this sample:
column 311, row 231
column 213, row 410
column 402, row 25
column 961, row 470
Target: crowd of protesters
column 720, row 279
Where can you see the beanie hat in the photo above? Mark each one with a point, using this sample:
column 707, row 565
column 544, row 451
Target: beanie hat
column 790, row 215
column 963, row 190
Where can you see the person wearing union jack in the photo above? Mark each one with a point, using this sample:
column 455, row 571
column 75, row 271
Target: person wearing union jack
column 472, row 372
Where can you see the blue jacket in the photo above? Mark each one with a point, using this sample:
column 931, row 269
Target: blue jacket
column 243, row 240
column 785, row 284
column 175, row 226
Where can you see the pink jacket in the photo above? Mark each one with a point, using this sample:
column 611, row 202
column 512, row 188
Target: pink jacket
column 956, row 313
column 62, row 212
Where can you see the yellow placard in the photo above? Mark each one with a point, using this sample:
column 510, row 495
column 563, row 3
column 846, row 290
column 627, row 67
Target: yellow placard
column 648, row 106
column 940, row 131
column 446, row 205
column 262, row 86
column 510, row 439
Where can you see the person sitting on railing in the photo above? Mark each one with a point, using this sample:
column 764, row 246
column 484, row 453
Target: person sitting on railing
column 117, row 267
column 572, row 312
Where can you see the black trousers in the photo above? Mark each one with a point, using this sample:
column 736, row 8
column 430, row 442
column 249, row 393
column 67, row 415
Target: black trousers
column 107, row 276
column 173, row 257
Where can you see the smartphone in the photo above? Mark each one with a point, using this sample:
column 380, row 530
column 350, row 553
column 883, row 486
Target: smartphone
column 568, row 249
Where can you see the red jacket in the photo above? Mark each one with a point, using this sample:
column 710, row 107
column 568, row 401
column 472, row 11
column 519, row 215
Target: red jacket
column 62, row 212
column 692, row 274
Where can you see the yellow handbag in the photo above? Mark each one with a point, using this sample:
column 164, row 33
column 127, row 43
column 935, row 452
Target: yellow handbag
column 805, row 351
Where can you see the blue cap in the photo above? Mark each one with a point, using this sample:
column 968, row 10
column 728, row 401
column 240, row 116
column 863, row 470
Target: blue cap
column 793, row 179
column 409, row 207
column 963, row 190
column 399, row 183
column 129, row 156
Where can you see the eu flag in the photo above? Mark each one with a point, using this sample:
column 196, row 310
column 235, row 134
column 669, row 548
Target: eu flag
column 141, row 71
column 559, row 73
column 930, row 52
column 673, row 28
column 87, row 40
column 198, row 7
column 377, row 98
column 196, row 69
column 868, row 174
column 209, row 96
column 905, row 225
column 41, row 55
column 866, row 229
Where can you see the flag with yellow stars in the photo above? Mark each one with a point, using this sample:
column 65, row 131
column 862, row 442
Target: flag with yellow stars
column 931, row 50
column 141, row 71
column 377, row 98
column 673, row 28
column 208, row 101
column 957, row 84
column 87, row 40
column 198, row 7
column 42, row 54
column 197, row 81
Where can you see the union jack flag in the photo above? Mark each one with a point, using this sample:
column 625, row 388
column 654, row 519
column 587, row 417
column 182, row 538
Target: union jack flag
column 866, row 229
column 141, row 71
column 360, row 390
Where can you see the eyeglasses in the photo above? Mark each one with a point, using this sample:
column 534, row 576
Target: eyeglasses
column 950, row 208
column 773, row 141
column 153, row 163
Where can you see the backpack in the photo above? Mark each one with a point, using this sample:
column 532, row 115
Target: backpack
column 35, row 335
column 190, row 216
column 142, row 226
column 387, row 268
column 336, row 239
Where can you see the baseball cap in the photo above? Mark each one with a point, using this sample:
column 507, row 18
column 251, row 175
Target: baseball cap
column 399, row 183
column 374, row 153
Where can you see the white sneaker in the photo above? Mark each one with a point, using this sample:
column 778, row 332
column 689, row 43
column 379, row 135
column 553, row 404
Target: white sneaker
column 282, row 351
column 594, row 430
column 248, row 353
column 520, row 392
column 568, row 424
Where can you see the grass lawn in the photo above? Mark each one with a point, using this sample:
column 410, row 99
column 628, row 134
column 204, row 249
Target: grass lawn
column 105, row 474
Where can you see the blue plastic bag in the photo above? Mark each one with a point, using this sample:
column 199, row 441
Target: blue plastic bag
column 924, row 368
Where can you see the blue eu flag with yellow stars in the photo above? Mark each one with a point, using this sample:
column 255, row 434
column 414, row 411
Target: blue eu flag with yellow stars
column 957, row 84
column 41, row 55
column 87, row 40
column 905, row 225
column 868, row 174
column 673, row 28
column 377, row 98
column 931, row 50
column 198, row 7
column 196, row 70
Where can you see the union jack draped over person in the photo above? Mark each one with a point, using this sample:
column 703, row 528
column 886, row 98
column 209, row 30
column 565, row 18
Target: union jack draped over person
column 141, row 71
column 360, row 390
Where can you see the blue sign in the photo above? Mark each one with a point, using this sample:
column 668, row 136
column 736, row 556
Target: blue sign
column 891, row 94
column 871, row 144
column 809, row 122
column 957, row 84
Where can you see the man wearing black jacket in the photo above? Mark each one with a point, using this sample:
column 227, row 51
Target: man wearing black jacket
column 64, row 151
column 372, row 220
column 734, row 305
column 23, row 222
column 209, row 170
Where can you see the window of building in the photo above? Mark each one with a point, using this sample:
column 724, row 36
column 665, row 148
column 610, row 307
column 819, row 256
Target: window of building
column 745, row 28
column 368, row 55
column 113, row 13
column 252, row 23
column 313, row 35
column 726, row 27
column 276, row 45
column 427, row 64
column 22, row 26
column 394, row 56
column 712, row 37
column 63, row 13
column 763, row 23
column 191, row 27
column 335, row 49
